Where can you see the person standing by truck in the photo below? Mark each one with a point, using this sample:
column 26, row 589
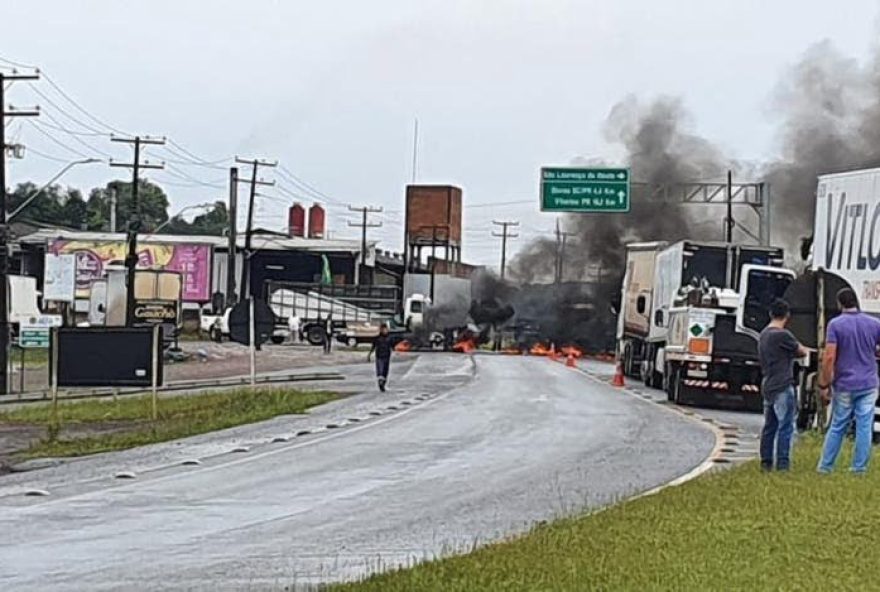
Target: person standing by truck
column 382, row 348
column 777, row 349
column 328, row 333
column 849, row 368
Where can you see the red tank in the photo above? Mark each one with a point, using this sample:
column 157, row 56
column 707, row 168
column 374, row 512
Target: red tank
column 316, row 221
column 296, row 220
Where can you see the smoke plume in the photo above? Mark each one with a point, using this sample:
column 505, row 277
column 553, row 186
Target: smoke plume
column 828, row 108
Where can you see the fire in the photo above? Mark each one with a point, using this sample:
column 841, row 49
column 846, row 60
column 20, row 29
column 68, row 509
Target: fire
column 403, row 346
column 573, row 351
column 539, row 350
column 464, row 346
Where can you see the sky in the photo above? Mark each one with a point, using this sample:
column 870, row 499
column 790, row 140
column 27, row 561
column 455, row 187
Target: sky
column 331, row 90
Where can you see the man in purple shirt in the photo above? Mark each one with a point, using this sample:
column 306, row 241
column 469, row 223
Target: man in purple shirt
column 849, row 365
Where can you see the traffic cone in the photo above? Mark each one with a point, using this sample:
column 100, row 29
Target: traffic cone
column 569, row 361
column 618, row 375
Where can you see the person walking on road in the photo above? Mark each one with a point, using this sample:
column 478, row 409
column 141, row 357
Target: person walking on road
column 849, row 368
column 328, row 333
column 382, row 348
column 777, row 349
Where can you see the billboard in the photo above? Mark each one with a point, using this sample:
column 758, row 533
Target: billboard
column 192, row 260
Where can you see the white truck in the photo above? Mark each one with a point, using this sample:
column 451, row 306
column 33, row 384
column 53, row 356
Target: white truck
column 705, row 306
column 845, row 253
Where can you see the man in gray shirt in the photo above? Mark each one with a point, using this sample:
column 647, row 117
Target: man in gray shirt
column 777, row 349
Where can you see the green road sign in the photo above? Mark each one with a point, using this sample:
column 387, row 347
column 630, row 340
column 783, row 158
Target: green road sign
column 569, row 189
column 33, row 337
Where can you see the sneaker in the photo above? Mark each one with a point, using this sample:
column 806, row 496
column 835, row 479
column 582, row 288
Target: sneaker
column 382, row 384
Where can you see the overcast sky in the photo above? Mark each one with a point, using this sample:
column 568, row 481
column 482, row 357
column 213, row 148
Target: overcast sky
column 331, row 89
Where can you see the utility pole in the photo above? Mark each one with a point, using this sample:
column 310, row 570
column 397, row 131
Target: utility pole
column 4, row 230
column 256, row 163
column 561, row 239
column 112, row 209
column 232, row 236
column 134, row 223
column 504, row 236
column 363, row 225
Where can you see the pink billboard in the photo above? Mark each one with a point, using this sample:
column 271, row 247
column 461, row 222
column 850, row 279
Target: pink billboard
column 193, row 261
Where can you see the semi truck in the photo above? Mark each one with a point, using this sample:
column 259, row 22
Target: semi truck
column 692, row 330
column 845, row 253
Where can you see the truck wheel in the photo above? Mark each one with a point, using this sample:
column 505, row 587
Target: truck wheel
column 668, row 383
column 315, row 335
column 215, row 335
column 627, row 361
column 351, row 342
column 277, row 339
column 677, row 397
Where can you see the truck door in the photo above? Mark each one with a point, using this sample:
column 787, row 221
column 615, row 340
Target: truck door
column 759, row 286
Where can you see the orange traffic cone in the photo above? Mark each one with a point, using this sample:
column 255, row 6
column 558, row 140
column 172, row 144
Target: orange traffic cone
column 569, row 361
column 618, row 375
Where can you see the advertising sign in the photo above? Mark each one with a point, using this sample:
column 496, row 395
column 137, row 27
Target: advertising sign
column 193, row 261
column 59, row 277
column 155, row 311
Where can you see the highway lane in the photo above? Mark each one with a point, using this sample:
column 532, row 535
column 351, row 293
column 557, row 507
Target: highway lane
column 525, row 440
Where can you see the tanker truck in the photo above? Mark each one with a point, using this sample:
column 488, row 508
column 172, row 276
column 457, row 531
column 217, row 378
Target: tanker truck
column 690, row 317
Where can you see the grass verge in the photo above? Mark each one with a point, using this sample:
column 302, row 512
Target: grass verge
column 733, row 530
column 102, row 425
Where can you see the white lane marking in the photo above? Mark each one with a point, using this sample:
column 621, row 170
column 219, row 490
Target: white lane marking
column 703, row 467
column 271, row 452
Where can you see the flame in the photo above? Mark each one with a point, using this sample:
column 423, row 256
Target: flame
column 539, row 350
column 573, row 351
column 464, row 346
column 403, row 346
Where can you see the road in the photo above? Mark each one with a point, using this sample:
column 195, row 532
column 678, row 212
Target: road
column 476, row 448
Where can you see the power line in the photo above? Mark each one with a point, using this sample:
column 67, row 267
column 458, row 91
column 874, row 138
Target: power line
column 78, row 140
column 61, row 110
column 59, row 142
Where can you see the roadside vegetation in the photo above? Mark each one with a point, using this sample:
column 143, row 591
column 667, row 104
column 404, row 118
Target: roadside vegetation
column 732, row 530
column 100, row 425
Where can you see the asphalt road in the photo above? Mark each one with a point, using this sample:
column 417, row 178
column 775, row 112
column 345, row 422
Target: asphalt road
column 475, row 449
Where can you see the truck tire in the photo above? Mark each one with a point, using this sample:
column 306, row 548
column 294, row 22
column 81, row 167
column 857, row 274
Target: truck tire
column 351, row 342
column 315, row 335
column 677, row 397
column 627, row 361
column 215, row 334
column 277, row 339
column 668, row 382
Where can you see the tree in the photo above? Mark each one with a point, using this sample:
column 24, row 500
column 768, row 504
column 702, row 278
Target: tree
column 53, row 205
column 213, row 222
column 153, row 205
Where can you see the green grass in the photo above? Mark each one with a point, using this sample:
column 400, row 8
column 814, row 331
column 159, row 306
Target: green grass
column 33, row 358
column 179, row 416
column 734, row 530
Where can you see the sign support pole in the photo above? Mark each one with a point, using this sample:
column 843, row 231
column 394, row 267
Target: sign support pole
column 155, row 376
column 54, row 382
column 252, row 341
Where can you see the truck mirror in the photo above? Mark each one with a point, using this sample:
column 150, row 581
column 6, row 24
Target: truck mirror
column 658, row 318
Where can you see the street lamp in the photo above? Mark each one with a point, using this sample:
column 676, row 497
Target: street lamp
column 37, row 192
column 178, row 214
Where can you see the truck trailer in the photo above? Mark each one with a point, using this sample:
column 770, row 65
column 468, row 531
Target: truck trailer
column 693, row 331
column 845, row 253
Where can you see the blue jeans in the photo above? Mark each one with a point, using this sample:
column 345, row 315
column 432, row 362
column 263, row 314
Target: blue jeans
column 846, row 406
column 382, row 367
column 779, row 416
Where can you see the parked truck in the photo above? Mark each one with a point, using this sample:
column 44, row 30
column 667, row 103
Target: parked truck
column 350, row 307
column 693, row 330
column 845, row 253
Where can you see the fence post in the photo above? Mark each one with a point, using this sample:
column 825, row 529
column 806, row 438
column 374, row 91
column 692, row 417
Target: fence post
column 155, row 374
